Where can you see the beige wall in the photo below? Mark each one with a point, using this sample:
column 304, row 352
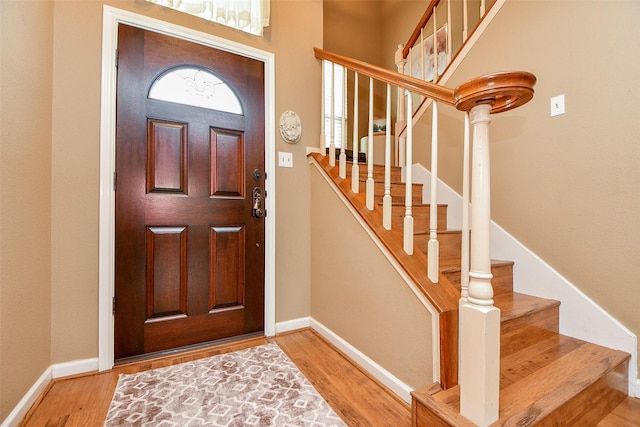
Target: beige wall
column 357, row 294
column 567, row 187
column 49, row 172
column 25, row 202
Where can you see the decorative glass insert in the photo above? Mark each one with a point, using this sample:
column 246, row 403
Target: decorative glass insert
column 197, row 87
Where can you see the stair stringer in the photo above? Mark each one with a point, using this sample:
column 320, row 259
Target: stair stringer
column 580, row 316
column 403, row 392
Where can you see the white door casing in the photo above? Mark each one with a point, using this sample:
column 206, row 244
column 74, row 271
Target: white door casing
column 110, row 20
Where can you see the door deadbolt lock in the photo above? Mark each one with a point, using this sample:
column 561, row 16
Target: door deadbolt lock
column 258, row 211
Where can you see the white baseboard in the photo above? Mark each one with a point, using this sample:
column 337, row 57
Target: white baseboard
column 76, row 367
column 57, row 370
column 21, row 409
column 634, row 388
column 378, row 372
column 292, row 325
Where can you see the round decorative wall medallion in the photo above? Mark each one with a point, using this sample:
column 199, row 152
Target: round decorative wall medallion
column 290, row 127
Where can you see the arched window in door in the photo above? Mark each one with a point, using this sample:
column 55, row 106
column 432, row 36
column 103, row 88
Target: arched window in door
column 197, row 87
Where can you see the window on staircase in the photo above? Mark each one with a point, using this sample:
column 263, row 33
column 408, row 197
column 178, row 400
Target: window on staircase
column 334, row 92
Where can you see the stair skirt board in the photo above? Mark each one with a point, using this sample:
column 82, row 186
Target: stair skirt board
column 531, row 275
column 435, row 318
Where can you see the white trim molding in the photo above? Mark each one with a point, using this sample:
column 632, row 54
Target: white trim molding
column 20, row 411
column 57, row 370
column 293, row 325
column 110, row 20
column 378, row 372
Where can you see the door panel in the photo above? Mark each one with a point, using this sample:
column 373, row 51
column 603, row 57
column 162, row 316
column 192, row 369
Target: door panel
column 189, row 253
column 167, row 162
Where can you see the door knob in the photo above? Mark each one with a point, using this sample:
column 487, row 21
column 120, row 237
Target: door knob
column 258, row 211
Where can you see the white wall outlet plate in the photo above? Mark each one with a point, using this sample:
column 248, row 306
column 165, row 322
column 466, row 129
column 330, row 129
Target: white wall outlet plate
column 557, row 105
column 285, row 160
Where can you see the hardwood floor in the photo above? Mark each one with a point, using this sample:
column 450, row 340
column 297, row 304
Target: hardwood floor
column 83, row 401
column 359, row 400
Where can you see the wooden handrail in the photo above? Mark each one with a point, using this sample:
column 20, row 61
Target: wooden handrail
column 503, row 91
column 421, row 24
column 418, row 86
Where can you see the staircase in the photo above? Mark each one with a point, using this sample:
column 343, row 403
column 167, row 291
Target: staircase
column 545, row 378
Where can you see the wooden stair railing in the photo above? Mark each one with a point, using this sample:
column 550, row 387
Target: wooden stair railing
column 457, row 33
column 457, row 21
column 478, row 99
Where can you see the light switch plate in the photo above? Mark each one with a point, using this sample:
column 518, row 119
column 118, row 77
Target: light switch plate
column 557, row 105
column 285, row 160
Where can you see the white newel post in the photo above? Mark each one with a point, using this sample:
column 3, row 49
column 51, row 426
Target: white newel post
column 479, row 319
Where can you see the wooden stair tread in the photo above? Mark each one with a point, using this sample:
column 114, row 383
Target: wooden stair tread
column 539, row 380
column 551, row 386
column 513, row 305
column 456, row 267
column 417, row 205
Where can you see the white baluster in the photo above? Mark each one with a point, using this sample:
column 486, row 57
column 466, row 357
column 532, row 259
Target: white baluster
column 342, row 172
column 479, row 318
column 482, row 8
column 332, row 143
column 370, row 182
column 465, row 20
column 435, row 47
column 386, row 199
column 400, row 120
column 464, row 265
column 323, row 135
column 433, row 248
column 355, row 169
column 408, row 218
column 423, row 72
column 449, row 33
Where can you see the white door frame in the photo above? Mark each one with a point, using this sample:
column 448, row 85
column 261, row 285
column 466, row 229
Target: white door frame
column 110, row 20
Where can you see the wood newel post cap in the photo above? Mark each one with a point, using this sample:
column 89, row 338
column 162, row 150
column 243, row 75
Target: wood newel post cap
column 503, row 91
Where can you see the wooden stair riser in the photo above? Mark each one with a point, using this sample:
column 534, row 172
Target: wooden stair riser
column 378, row 172
column 524, row 331
column 502, row 281
column 397, row 191
column 421, row 217
column 450, row 246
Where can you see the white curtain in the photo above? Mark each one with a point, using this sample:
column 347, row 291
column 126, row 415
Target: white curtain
column 246, row 15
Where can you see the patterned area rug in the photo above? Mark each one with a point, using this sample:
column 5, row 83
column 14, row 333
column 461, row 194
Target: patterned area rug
column 259, row 386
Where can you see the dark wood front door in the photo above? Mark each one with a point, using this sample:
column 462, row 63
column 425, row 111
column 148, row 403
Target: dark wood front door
column 189, row 262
